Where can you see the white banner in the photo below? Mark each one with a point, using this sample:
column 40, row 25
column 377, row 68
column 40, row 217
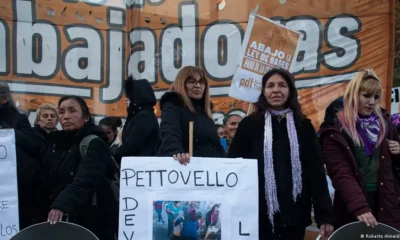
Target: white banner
column 9, row 221
column 394, row 108
column 208, row 198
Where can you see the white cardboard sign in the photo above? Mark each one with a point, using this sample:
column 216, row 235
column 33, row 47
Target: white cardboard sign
column 217, row 190
column 9, row 220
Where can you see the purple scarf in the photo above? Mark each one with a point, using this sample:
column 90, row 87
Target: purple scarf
column 368, row 129
column 271, row 196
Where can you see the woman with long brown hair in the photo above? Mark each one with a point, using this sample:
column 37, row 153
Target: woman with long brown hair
column 360, row 147
column 291, row 170
column 188, row 100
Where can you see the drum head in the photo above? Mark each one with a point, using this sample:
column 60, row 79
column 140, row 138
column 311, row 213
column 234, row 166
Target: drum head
column 59, row 231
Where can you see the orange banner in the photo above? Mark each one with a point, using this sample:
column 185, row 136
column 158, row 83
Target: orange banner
column 266, row 45
column 52, row 48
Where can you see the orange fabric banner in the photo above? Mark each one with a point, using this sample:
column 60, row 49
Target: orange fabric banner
column 52, row 48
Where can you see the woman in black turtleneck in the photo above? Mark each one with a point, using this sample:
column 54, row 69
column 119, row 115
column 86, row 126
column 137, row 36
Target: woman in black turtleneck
column 188, row 100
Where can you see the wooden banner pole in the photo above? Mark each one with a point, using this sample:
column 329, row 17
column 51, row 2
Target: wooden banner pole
column 191, row 138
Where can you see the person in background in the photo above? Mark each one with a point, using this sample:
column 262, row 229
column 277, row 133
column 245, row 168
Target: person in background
column 28, row 165
column 47, row 117
column 173, row 210
column 46, row 122
column 222, row 136
column 158, row 205
column 110, row 125
column 221, row 131
column 395, row 118
column 190, row 225
column 231, row 123
column 140, row 135
column 82, row 184
column 212, row 217
column 360, row 147
column 290, row 162
column 188, row 100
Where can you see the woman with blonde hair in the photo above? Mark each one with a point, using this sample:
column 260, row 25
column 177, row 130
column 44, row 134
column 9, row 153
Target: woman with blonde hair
column 188, row 100
column 360, row 147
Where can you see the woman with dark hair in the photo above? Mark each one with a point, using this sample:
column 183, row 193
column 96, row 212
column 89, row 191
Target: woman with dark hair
column 140, row 135
column 188, row 100
column 211, row 216
column 110, row 125
column 28, row 164
column 81, row 172
column 290, row 163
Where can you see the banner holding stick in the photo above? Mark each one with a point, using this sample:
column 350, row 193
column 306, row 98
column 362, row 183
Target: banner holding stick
column 9, row 220
column 191, row 138
column 266, row 45
column 250, row 110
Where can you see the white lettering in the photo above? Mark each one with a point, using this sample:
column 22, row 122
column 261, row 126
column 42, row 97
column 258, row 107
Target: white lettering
column 142, row 62
column 347, row 48
column 3, row 48
column 253, row 45
column 170, row 53
column 308, row 47
column 40, row 58
column 115, row 67
column 211, row 51
column 84, row 62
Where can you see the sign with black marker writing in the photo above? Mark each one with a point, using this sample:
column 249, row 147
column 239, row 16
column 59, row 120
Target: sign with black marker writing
column 9, row 221
column 207, row 199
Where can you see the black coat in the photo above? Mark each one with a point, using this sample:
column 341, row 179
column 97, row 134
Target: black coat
column 28, row 166
column 174, row 129
column 140, row 135
column 249, row 143
column 73, row 180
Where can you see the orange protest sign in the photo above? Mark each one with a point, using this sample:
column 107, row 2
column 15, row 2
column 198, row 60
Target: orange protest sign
column 266, row 45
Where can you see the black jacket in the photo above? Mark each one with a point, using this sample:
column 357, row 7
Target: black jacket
column 28, row 166
column 249, row 143
column 174, row 129
column 73, row 180
column 140, row 135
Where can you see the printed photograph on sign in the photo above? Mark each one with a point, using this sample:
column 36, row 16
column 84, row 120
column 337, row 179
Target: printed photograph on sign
column 186, row 220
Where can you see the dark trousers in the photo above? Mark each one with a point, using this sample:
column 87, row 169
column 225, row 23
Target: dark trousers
column 158, row 211
column 282, row 233
column 372, row 199
column 170, row 227
column 173, row 237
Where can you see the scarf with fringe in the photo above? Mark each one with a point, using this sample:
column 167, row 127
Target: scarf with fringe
column 271, row 196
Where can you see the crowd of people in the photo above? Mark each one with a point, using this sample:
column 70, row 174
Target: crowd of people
column 72, row 174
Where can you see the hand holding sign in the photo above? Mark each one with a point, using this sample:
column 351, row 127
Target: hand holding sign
column 183, row 158
column 55, row 216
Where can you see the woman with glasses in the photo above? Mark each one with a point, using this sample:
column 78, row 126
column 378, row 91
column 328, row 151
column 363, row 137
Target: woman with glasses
column 188, row 100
